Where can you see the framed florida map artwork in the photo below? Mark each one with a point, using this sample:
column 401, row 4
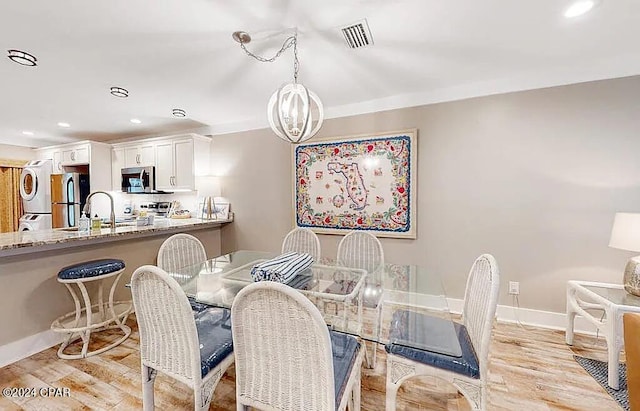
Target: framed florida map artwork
column 361, row 182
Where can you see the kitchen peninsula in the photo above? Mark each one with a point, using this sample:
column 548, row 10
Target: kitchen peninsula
column 30, row 260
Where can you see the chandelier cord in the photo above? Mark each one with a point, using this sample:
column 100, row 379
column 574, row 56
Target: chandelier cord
column 291, row 41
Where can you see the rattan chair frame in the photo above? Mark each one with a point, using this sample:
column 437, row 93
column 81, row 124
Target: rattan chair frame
column 478, row 314
column 302, row 240
column 180, row 250
column 169, row 338
column 284, row 354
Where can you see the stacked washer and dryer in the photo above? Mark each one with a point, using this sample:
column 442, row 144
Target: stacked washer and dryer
column 35, row 190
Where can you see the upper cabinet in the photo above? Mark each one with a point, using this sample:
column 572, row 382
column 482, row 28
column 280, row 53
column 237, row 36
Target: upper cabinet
column 84, row 156
column 76, row 154
column 117, row 164
column 177, row 159
column 140, row 155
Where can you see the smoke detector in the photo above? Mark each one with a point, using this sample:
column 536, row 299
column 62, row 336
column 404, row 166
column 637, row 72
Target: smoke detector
column 357, row 35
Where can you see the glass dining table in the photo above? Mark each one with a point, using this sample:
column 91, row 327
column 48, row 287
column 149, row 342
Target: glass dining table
column 377, row 307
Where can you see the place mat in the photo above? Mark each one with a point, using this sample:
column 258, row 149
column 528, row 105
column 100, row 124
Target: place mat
column 599, row 371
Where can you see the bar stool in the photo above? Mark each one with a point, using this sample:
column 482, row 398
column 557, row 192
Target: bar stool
column 82, row 322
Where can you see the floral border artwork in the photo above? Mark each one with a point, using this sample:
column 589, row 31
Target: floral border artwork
column 357, row 183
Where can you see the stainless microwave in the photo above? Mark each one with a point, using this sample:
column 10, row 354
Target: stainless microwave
column 139, row 179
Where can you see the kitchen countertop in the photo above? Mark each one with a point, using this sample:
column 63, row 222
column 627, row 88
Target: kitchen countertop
column 23, row 242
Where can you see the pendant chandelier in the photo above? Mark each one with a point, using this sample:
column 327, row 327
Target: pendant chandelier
column 295, row 113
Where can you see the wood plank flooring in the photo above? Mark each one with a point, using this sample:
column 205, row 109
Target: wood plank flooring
column 531, row 369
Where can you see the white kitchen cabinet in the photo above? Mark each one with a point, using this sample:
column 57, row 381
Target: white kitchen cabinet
column 139, row 155
column 178, row 161
column 85, row 156
column 76, row 154
column 117, row 164
column 53, row 154
column 57, row 161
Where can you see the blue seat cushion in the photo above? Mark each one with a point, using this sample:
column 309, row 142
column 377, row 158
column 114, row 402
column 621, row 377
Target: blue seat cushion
column 196, row 306
column 214, row 333
column 466, row 364
column 345, row 350
column 89, row 269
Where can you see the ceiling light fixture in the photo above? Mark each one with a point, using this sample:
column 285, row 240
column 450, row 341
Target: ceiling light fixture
column 63, row 124
column 178, row 112
column 27, row 133
column 579, row 8
column 23, row 58
column 135, row 121
column 290, row 109
column 119, row 92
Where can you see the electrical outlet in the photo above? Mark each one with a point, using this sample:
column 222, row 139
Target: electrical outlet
column 514, row 287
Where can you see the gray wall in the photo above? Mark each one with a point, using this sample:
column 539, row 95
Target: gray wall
column 16, row 152
column 534, row 178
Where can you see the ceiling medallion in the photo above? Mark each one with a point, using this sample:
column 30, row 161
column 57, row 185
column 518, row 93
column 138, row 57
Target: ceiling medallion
column 178, row 112
column 292, row 108
column 23, row 58
column 119, row 92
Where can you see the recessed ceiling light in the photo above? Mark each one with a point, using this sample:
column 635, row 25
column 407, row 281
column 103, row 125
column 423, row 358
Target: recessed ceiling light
column 135, row 121
column 63, row 124
column 22, row 57
column 178, row 112
column 27, row 133
column 119, row 92
column 579, row 8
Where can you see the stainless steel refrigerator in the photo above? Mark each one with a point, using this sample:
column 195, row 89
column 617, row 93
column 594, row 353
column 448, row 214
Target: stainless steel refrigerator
column 69, row 193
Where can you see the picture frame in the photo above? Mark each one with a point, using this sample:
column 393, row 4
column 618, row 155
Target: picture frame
column 363, row 182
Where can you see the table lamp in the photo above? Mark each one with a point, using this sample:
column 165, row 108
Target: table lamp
column 625, row 235
column 209, row 188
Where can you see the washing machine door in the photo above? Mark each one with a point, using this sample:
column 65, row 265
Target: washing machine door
column 25, row 227
column 28, row 183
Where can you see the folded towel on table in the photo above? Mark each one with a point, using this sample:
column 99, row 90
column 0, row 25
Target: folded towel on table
column 261, row 271
column 282, row 268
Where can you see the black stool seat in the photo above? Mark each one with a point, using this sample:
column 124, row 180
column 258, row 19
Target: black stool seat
column 90, row 269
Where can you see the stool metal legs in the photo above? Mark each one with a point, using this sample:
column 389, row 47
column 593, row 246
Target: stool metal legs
column 76, row 325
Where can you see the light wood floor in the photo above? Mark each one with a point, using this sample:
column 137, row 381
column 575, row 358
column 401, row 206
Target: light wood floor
column 531, row 369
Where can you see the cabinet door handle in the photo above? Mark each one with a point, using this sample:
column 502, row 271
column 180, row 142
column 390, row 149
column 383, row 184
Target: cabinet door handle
column 138, row 158
column 73, row 155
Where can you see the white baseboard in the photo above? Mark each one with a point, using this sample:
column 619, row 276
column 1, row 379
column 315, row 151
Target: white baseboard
column 25, row 347
column 17, row 350
column 535, row 318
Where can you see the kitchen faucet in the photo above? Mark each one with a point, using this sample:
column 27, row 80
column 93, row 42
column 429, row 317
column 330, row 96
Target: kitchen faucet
column 87, row 207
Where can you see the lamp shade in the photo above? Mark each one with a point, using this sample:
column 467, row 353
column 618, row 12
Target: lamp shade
column 625, row 233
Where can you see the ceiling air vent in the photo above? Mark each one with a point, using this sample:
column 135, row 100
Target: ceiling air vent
column 357, row 35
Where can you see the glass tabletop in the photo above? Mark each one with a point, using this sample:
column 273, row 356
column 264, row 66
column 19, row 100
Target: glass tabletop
column 398, row 304
column 618, row 296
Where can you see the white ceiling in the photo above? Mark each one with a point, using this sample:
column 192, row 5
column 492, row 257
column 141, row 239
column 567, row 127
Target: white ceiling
column 180, row 54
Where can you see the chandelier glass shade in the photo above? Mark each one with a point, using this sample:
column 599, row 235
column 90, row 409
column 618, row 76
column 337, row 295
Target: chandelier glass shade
column 295, row 113
column 292, row 111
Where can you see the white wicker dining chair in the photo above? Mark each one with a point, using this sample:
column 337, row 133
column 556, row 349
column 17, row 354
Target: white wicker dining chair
column 302, row 240
column 180, row 250
column 195, row 348
column 286, row 358
column 360, row 249
column 468, row 373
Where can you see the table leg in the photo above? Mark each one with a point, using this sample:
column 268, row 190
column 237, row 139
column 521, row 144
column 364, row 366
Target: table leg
column 571, row 315
column 614, row 346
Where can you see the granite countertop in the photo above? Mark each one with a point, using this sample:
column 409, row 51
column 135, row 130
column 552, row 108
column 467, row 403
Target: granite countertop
column 21, row 242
